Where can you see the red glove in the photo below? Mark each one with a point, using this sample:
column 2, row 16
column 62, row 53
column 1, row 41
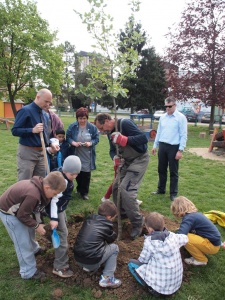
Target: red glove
column 116, row 161
column 118, row 138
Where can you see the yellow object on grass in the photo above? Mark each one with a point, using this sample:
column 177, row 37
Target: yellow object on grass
column 216, row 216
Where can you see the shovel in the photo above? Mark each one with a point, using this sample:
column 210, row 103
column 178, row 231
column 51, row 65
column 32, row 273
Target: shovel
column 55, row 238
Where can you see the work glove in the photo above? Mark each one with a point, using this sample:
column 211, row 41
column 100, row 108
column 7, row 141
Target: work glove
column 117, row 162
column 118, row 138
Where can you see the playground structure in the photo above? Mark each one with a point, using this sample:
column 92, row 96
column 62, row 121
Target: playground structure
column 7, row 123
column 217, row 140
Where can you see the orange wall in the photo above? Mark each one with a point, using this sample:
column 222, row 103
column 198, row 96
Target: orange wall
column 8, row 113
column 1, row 109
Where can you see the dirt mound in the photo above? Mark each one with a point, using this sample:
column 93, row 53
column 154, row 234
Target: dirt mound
column 128, row 249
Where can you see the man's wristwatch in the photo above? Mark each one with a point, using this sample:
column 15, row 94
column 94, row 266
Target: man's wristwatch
column 180, row 150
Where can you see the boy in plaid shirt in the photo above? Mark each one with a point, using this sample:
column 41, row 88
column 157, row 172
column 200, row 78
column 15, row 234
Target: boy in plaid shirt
column 159, row 266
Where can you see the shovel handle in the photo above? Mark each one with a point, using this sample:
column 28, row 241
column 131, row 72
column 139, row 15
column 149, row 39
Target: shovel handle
column 45, row 154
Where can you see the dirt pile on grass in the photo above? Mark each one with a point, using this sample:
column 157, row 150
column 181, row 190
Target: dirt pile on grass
column 128, row 249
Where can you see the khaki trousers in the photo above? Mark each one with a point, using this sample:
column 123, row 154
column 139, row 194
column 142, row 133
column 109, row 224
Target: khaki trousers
column 30, row 162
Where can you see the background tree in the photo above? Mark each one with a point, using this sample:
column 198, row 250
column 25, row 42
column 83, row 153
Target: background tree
column 197, row 46
column 112, row 66
column 125, row 43
column 151, row 81
column 68, row 86
column 27, row 51
column 147, row 89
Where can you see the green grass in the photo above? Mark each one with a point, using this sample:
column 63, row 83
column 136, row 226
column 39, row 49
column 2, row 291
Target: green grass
column 201, row 180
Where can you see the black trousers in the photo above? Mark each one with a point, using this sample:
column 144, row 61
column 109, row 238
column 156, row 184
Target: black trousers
column 83, row 182
column 166, row 157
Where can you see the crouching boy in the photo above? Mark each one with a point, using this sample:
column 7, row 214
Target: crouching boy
column 93, row 245
column 159, row 266
column 18, row 204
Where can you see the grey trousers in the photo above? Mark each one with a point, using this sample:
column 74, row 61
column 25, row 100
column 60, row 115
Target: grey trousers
column 30, row 163
column 109, row 258
column 24, row 243
column 131, row 175
column 61, row 253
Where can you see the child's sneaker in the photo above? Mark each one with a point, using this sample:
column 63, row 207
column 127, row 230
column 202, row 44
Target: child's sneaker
column 139, row 202
column 64, row 273
column 109, row 282
column 194, row 262
column 104, row 199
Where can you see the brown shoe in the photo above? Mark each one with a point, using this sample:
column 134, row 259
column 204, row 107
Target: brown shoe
column 64, row 273
column 136, row 231
column 38, row 275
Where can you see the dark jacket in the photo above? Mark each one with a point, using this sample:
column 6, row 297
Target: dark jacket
column 64, row 199
column 199, row 224
column 92, row 238
column 26, row 118
column 137, row 139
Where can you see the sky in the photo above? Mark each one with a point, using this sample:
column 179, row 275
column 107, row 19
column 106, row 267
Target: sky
column 154, row 15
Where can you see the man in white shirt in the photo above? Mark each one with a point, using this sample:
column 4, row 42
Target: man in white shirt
column 171, row 140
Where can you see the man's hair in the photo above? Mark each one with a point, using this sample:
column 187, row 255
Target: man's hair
column 107, row 209
column 155, row 221
column 55, row 180
column 181, row 206
column 60, row 131
column 170, row 99
column 102, row 117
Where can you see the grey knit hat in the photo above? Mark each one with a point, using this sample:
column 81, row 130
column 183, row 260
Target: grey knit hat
column 72, row 164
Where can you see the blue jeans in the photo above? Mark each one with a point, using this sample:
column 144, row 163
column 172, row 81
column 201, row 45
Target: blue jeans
column 109, row 259
column 24, row 243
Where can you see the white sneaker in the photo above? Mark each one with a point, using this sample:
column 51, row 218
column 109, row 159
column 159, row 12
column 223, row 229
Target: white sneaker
column 104, row 199
column 139, row 202
column 194, row 262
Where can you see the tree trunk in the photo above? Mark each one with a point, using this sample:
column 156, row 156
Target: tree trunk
column 11, row 99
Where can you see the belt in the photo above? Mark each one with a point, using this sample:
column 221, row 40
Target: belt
column 35, row 148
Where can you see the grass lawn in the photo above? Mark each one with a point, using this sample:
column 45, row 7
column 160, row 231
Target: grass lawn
column 200, row 180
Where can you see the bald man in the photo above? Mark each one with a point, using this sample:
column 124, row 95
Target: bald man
column 28, row 125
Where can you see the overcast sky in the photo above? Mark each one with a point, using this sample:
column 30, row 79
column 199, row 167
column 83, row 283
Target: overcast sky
column 155, row 16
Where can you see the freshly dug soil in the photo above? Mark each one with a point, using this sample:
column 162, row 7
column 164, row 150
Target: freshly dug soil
column 128, row 249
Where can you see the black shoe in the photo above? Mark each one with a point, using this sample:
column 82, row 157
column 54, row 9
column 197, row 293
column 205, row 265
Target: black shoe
column 157, row 192
column 38, row 275
column 136, row 231
column 41, row 251
column 172, row 197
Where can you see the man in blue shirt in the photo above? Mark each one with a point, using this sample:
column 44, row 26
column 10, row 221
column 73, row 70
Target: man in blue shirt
column 28, row 125
column 171, row 140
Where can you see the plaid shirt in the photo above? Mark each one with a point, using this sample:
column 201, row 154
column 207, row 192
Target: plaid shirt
column 162, row 267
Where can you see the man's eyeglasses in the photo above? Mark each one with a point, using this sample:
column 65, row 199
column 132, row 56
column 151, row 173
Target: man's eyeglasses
column 169, row 106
